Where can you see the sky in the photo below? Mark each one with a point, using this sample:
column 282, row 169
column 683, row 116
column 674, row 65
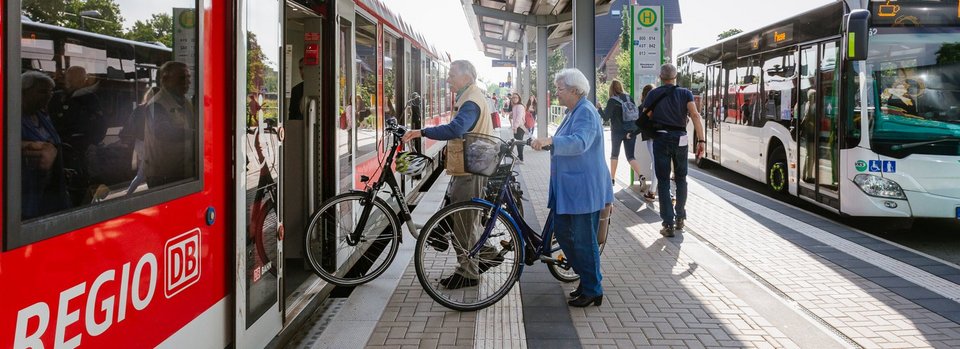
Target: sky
column 445, row 24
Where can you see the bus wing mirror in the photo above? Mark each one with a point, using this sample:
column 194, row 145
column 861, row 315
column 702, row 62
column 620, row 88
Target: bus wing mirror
column 857, row 34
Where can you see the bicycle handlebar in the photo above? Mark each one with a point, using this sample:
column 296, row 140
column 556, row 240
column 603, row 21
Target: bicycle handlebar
column 394, row 128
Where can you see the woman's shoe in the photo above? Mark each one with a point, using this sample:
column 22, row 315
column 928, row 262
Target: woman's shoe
column 576, row 293
column 584, row 301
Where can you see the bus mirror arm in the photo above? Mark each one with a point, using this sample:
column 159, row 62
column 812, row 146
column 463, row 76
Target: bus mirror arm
column 857, row 35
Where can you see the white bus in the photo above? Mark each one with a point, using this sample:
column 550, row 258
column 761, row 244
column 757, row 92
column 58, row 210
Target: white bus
column 854, row 106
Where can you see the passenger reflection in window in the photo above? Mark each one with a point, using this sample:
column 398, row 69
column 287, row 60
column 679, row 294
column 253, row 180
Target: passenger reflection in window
column 76, row 113
column 132, row 135
column 169, row 128
column 42, row 175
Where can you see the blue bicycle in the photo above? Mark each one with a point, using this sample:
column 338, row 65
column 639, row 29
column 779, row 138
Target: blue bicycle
column 468, row 255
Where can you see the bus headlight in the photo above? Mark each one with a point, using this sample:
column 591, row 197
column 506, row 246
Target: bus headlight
column 879, row 186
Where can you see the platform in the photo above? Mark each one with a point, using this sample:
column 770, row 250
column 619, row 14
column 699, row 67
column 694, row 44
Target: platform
column 748, row 271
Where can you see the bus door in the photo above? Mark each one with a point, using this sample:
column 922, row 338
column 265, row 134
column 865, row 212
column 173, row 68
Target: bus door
column 713, row 112
column 817, row 135
column 258, row 135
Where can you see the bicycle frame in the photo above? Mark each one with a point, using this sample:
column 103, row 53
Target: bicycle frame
column 388, row 177
column 528, row 236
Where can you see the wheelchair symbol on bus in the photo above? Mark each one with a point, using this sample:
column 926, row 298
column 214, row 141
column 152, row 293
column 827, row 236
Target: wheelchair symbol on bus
column 885, row 166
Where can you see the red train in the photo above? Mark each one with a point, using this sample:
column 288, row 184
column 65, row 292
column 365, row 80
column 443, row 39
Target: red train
column 162, row 159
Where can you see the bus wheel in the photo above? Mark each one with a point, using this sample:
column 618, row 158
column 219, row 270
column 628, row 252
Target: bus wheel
column 777, row 173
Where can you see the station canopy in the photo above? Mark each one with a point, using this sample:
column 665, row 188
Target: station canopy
column 498, row 24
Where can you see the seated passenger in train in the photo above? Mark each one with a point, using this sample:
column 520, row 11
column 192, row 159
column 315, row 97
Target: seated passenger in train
column 169, row 128
column 42, row 175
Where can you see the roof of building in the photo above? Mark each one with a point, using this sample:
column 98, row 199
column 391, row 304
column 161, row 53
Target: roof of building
column 671, row 9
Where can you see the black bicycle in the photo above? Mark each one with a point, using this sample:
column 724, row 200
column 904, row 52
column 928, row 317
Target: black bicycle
column 353, row 237
column 486, row 238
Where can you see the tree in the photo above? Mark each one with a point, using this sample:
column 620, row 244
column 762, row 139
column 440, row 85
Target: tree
column 728, row 33
column 159, row 28
column 66, row 13
column 948, row 54
column 555, row 63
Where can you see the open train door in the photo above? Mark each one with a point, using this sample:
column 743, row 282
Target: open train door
column 258, row 134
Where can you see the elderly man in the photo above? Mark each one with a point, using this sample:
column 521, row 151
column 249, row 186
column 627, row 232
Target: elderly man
column 472, row 116
column 170, row 128
column 580, row 184
column 670, row 144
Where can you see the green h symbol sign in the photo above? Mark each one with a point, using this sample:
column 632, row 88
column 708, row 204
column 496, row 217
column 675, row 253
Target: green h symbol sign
column 647, row 17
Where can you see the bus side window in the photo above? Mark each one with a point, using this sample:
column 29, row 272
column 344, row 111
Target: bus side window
column 778, row 81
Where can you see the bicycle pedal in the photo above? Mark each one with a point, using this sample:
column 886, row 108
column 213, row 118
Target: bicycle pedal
column 550, row 260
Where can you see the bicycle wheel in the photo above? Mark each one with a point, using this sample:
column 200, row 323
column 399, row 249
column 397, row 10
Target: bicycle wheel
column 562, row 270
column 447, row 272
column 339, row 258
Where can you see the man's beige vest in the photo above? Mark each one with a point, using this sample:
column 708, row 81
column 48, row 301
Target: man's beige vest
column 484, row 125
column 474, row 94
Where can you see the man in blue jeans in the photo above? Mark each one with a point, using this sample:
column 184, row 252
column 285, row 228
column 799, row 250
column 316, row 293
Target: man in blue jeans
column 671, row 107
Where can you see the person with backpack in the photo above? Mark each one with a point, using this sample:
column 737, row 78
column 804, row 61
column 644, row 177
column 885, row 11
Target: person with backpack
column 622, row 114
column 669, row 108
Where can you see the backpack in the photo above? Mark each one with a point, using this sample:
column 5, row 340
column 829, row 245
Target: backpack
column 630, row 114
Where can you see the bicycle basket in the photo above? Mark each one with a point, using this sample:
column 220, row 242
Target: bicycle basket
column 481, row 153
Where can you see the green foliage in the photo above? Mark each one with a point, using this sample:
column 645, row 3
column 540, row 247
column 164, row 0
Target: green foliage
column 625, row 19
column 948, row 54
column 728, row 33
column 66, row 13
column 623, row 70
column 159, row 28
column 603, row 90
column 555, row 62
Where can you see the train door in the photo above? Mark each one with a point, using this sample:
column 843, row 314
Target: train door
column 817, row 134
column 713, row 112
column 416, row 109
column 301, row 80
column 258, row 136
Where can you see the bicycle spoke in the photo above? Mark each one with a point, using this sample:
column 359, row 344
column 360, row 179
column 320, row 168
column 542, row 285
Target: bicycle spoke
column 333, row 252
column 457, row 276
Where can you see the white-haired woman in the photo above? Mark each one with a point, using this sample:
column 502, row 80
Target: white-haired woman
column 579, row 184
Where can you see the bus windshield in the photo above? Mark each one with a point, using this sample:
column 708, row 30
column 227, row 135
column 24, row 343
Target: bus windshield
column 914, row 78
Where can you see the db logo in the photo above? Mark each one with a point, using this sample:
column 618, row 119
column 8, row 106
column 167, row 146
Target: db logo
column 181, row 262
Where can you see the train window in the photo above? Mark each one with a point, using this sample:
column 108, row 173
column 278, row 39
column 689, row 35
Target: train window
column 366, row 100
column 106, row 100
column 347, row 109
column 390, row 86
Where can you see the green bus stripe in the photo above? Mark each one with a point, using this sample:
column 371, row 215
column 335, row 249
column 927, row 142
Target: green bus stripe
column 851, row 45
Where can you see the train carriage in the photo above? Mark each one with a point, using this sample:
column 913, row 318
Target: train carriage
column 162, row 159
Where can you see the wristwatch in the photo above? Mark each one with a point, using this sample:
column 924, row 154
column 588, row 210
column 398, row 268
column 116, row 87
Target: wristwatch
column 701, row 141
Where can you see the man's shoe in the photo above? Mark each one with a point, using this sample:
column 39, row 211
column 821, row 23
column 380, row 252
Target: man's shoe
column 437, row 240
column 584, row 301
column 679, row 223
column 485, row 265
column 456, row 281
column 667, row 231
